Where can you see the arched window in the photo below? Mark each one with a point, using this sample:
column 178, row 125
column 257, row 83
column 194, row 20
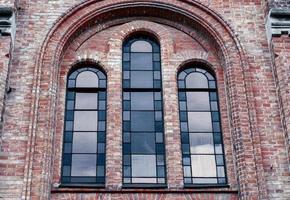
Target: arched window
column 85, row 128
column 143, row 137
column 202, row 148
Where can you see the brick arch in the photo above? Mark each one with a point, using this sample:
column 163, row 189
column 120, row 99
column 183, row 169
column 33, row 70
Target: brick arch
column 72, row 22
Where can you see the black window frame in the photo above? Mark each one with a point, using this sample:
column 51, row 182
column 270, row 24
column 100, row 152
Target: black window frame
column 71, row 91
column 184, row 131
column 155, row 89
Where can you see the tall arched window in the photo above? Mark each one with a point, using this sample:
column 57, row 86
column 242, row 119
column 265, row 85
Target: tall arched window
column 202, row 148
column 143, row 137
column 85, row 128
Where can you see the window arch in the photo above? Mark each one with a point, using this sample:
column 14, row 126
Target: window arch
column 83, row 159
column 143, row 137
column 202, row 148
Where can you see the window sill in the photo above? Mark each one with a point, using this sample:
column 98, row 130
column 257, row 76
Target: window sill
column 145, row 186
column 199, row 186
column 68, row 188
column 75, row 185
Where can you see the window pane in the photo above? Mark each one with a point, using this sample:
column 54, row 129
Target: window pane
column 86, row 101
column 203, row 166
column 83, row 165
column 142, row 101
column 141, row 79
column 141, row 61
column 201, row 143
column 142, row 121
column 199, row 121
column 141, row 46
column 196, row 80
column 85, row 120
column 143, row 166
column 87, row 79
column 84, row 142
column 143, row 143
column 197, row 101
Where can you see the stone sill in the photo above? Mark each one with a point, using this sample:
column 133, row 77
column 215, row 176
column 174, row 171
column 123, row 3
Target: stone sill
column 220, row 190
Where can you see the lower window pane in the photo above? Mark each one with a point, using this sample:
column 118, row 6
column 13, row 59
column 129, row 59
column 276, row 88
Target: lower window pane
column 144, row 180
column 203, row 166
column 83, row 165
column 143, row 166
column 204, row 180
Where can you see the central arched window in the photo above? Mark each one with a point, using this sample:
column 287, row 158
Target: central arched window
column 85, row 128
column 143, row 137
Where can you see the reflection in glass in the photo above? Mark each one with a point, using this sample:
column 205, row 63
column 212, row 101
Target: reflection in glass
column 84, row 142
column 87, row 79
column 142, row 121
column 203, row 166
column 197, row 101
column 199, row 121
column 86, row 101
column 141, row 79
column 196, row 80
column 142, row 101
column 143, row 143
column 201, row 143
column 83, row 165
column 141, row 46
column 141, row 61
column 143, row 166
column 85, row 121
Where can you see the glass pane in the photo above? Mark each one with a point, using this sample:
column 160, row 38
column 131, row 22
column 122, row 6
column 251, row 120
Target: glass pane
column 141, row 79
column 201, row 143
column 204, row 180
column 221, row 171
column 141, row 61
column 143, row 166
column 196, row 80
column 203, row 166
column 186, row 171
column 84, row 142
column 141, row 46
column 83, row 165
column 142, row 101
column 197, row 101
column 142, row 121
column 85, row 121
column 86, row 101
column 143, row 143
column 144, row 180
column 87, row 79
column 199, row 121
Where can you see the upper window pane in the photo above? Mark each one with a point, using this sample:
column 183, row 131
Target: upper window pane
column 141, row 61
column 196, row 80
column 87, row 79
column 141, row 46
column 86, row 101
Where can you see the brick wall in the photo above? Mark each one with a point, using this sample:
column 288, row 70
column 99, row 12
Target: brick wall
column 53, row 35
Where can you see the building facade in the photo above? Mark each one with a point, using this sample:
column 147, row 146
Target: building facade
column 135, row 99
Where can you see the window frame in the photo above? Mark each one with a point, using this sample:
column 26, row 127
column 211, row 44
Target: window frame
column 189, row 68
column 156, row 88
column 101, row 88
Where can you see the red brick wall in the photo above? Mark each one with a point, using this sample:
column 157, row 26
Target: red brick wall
column 231, row 36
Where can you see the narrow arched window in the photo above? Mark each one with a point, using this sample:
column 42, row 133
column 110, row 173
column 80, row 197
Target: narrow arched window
column 202, row 148
column 143, row 137
column 85, row 128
